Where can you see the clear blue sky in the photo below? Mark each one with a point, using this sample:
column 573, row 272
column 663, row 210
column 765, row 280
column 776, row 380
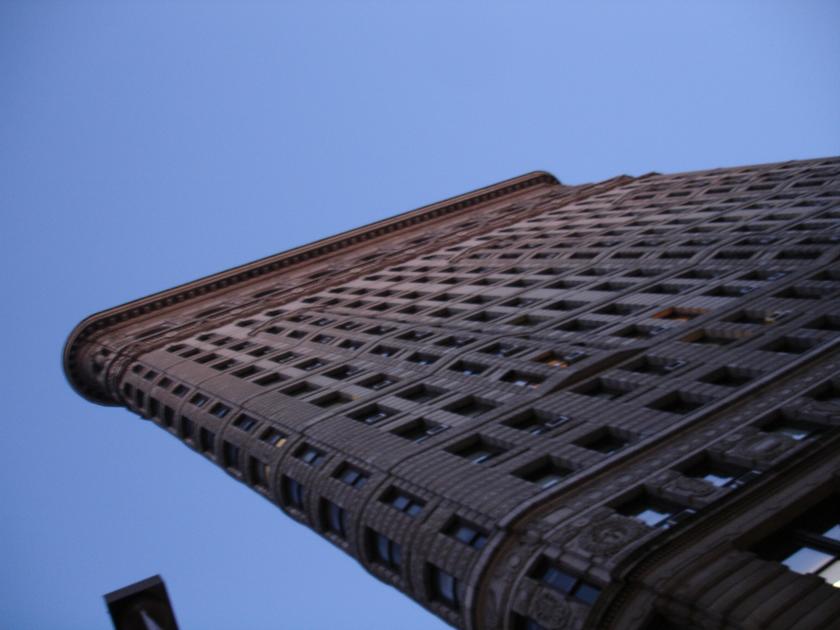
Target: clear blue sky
column 144, row 145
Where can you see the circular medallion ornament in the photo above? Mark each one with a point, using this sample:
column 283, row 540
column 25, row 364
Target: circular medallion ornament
column 550, row 610
column 607, row 537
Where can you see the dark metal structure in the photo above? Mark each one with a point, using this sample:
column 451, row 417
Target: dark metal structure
column 613, row 405
column 143, row 605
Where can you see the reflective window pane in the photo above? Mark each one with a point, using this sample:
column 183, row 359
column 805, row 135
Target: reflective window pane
column 807, row 560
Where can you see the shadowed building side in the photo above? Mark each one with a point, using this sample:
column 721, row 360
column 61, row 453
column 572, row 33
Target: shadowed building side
column 612, row 405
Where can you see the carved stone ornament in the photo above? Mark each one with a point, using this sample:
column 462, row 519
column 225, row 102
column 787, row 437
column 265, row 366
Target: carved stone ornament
column 693, row 487
column 550, row 610
column 607, row 537
column 763, row 446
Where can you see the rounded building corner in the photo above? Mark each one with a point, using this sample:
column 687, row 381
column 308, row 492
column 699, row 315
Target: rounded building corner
column 81, row 382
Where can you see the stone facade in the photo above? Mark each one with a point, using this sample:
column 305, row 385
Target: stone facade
column 612, row 405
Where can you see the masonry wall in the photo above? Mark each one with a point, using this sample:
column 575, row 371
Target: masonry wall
column 480, row 404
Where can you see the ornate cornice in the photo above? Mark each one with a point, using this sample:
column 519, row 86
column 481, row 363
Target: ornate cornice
column 289, row 259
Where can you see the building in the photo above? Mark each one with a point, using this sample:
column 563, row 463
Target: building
column 612, row 405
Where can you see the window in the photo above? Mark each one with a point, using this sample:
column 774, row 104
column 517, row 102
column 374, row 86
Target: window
column 478, row 450
column 466, row 533
column 345, row 371
column 810, row 545
column 199, row 400
column 269, row 379
column 352, row 476
column 654, row 512
column 258, row 471
column 371, row 414
column 310, row 455
column 536, row 422
column 245, row 423
column 186, row 428
column 781, row 423
column 384, row 551
column 379, row 381
column 544, row 473
column 602, row 441
column 421, row 393
column 470, row 407
column 444, row 587
column 566, row 583
column 292, row 492
column 419, row 430
column 230, row 454
column 206, row 440
column 720, row 474
column 219, row 410
column 526, row 623
column 334, row 518
column 403, row 502
column 273, row 437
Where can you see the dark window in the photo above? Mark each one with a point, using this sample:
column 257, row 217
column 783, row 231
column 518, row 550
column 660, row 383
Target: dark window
column 311, row 365
column 810, row 544
column 678, row 402
column 536, row 422
column 230, row 453
column 466, row 533
column 384, row 551
column 502, row 349
column 335, row 518
column 186, row 428
column 345, row 371
column 273, row 437
column 352, row 476
column 245, row 423
column 478, row 450
column 310, row 455
column 423, row 358
column 470, row 406
column 603, row 442
column 269, row 379
column 781, row 422
column 258, row 471
column 371, row 414
column 720, row 474
column 379, row 381
column 467, row 368
column 332, row 399
column 421, row 393
column 300, row 389
column 199, row 400
column 180, row 391
column 292, row 492
column 544, row 472
column 206, row 440
column 523, row 379
column 219, row 410
column 403, row 502
column 526, row 623
column 419, row 430
column 653, row 511
column 444, row 587
column 566, row 583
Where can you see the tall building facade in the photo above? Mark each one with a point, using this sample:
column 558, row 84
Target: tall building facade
column 613, row 405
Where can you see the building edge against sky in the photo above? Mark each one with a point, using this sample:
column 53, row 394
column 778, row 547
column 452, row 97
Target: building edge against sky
column 611, row 405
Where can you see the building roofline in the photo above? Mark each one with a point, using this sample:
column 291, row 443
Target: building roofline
column 200, row 287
